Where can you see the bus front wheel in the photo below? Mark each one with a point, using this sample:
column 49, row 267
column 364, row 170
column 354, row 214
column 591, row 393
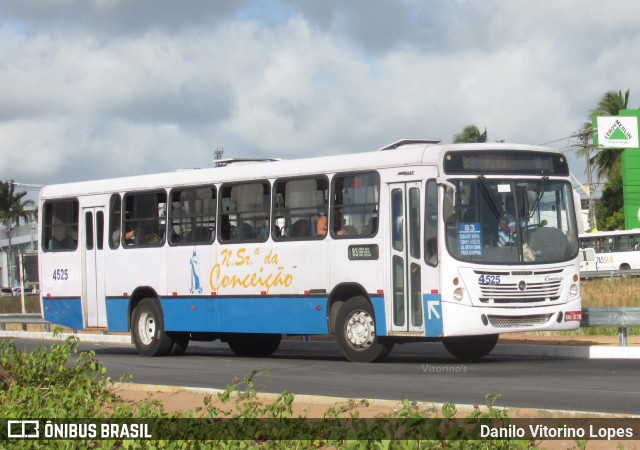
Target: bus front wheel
column 470, row 347
column 356, row 332
column 147, row 329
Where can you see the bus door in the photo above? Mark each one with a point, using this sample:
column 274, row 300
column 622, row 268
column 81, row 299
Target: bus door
column 407, row 313
column 93, row 297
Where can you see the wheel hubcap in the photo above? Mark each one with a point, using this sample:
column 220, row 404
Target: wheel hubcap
column 361, row 330
column 147, row 327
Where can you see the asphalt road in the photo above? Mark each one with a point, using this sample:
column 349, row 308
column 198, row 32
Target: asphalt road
column 593, row 385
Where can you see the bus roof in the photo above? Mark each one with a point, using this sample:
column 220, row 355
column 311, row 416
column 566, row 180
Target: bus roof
column 401, row 153
column 596, row 234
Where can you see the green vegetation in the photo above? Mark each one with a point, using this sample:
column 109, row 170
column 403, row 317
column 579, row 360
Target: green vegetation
column 11, row 305
column 470, row 134
column 61, row 382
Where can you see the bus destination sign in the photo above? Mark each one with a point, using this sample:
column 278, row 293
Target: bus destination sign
column 505, row 162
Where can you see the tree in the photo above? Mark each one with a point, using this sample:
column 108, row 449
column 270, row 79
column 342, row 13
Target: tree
column 606, row 162
column 470, row 133
column 13, row 209
column 610, row 207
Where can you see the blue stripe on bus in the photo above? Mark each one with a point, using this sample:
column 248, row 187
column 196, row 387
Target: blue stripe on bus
column 379, row 314
column 432, row 308
column 292, row 315
column 65, row 311
column 117, row 314
column 287, row 314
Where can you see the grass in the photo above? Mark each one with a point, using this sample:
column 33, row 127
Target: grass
column 601, row 292
column 12, row 305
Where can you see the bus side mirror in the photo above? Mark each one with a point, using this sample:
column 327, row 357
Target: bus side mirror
column 449, row 202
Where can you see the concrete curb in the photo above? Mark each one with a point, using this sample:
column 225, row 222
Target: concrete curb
column 416, row 348
column 86, row 337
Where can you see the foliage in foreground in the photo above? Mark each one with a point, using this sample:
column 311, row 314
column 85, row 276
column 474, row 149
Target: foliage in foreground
column 62, row 382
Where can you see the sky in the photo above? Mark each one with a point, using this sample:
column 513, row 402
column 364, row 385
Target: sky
column 105, row 88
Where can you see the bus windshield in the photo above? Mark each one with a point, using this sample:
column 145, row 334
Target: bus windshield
column 500, row 221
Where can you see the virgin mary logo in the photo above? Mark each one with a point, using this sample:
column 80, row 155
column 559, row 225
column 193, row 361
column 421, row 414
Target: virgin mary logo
column 195, row 288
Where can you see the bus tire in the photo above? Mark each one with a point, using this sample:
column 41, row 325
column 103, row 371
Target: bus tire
column 470, row 347
column 147, row 329
column 356, row 332
column 254, row 345
column 180, row 343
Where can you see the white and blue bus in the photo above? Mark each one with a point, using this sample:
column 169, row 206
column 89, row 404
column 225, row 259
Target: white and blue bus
column 415, row 242
column 611, row 250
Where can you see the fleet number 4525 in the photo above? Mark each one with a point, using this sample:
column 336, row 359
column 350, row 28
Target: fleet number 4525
column 489, row 279
column 61, row 274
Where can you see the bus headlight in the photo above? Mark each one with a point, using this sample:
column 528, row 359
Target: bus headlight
column 458, row 294
column 574, row 290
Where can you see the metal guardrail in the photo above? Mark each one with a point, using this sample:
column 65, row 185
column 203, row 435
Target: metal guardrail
column 609, row 273
column 24, row 319
column 621, row 317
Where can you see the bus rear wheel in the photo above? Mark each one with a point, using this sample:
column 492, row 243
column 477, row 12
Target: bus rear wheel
column 256, row 345
column 470, row 347
column 356, row 332
column 147, row 329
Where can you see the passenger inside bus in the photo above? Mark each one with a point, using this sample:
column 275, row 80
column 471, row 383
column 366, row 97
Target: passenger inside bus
column 321, row 226
column 300, row 228
column 507, row 225
column 130, row 235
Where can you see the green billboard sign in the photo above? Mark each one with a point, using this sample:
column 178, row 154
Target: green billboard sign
column 622, row 132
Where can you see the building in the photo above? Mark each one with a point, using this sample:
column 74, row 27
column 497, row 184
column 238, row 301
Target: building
column 24, row 239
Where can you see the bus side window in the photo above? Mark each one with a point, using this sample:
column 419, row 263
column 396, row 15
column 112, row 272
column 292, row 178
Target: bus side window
column 145, row 219
column 192, row 216
column 244, row 212
column 299, row 204
column 60, row 225
column 354, row 212
column 431, row 224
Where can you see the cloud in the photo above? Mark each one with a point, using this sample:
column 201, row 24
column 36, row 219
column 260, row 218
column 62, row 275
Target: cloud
column 102, row 89
column 109, row 18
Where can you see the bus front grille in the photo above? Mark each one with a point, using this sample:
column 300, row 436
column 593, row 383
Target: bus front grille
column 518, row 321
column 520, row 293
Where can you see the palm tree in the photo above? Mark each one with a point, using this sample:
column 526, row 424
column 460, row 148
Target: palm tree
column 607, row 162
column 13, row 209
column 470, row 133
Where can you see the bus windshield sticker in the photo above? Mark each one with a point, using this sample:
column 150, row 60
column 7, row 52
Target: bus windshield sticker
column 470, row 237
column 363, row 252
column 504, row 188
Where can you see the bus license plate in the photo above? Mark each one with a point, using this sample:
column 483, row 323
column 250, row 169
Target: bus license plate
column 572, row 315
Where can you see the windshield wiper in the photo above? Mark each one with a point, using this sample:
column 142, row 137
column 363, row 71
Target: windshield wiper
column 539, row 194
column 488, row 195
